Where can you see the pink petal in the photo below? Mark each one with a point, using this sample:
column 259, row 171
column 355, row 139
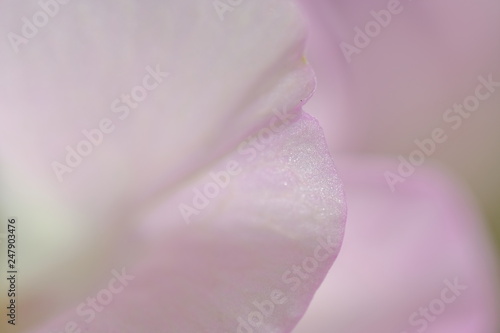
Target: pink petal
column 205, row 277
column 220, row 73
column 224, row 80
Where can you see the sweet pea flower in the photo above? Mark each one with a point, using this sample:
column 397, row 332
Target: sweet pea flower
column 159, row 169
column 167, row 179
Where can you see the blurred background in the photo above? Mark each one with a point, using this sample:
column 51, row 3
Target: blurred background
column 382, row 97
column 389, row 74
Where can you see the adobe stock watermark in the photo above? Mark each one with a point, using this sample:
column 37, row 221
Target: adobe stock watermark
column 87, row 311
column 453, row 117
column 223, row 6
column 426, row 315
column 30, row 27
column 292, row 278
column 251, row 147
column 122, row 107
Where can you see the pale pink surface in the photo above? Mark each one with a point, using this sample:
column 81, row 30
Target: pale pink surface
column 202, row 277
column 120, row 207
column 398, row 250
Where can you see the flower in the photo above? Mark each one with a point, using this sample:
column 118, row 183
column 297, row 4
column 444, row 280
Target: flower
column 168, row 180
